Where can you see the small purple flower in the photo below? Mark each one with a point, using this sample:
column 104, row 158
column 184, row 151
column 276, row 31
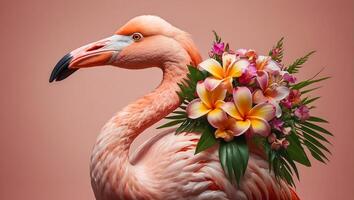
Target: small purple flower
column 218, row 48
column 287, row 103
column 277, row 124
column 289, row 78
column 302, row 112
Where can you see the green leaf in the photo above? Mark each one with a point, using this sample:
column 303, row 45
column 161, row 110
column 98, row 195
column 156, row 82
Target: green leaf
column 309, row 90
column 314, row 149
column 292, row 163
column 317, row 119
column 176, row 117
column 308, row 101
column 317, row 128
column 316, row 156
column 217, row 37
column 206, row 140
column 171, row 123
column 227, row 48
column 296, row 152
column 234, row 158
column 313, row 133
column 315, row 142
column 278, row 57
column 307, row 83
column 179, row 112
column 294, row 68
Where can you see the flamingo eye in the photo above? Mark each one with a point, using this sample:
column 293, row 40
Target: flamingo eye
column 137, row 36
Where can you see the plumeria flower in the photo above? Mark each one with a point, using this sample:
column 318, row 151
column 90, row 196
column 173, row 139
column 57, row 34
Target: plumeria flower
column 302, row 112
column 250, row 54
column 270, row 91
column 208, row 103
column 227, row 130
column 223, row 75
column 247, row 118
column 265, row 63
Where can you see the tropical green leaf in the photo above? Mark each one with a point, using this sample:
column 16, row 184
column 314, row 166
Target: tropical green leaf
column 296, row 152
column 171, row 123
column 315, row 142
column 179, row 112
column 309, row 90
column 176, row 117
column 313, row 133
column 217, row 37
column 279, row 46
column 317, row 119
column 316, row 156
column 313, row 149
column 307, row 83
column 206, row 140
column 308, row 101
column 292, row 163
column 234, row 158
column 227, row 48
column 316, row 127
column 294, row 68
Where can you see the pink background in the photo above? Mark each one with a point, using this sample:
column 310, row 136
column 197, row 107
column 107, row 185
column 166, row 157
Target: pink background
column 48, row 130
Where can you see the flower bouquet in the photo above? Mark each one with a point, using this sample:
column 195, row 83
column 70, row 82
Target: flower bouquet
column 240, row 98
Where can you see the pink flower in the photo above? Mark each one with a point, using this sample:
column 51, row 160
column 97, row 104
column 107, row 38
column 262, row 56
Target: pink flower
column 293, row 98
column 280, row 143
column 302, row 112
column 218, row 48
column 286, row 103
column 289, row 78
column 285, row 144
column 248, row 75
column 277, row 124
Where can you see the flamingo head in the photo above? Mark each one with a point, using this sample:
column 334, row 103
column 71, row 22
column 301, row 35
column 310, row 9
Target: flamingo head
column 144, row 41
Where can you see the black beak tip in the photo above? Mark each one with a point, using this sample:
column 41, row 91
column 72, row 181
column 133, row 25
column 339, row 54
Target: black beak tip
column 61, row 69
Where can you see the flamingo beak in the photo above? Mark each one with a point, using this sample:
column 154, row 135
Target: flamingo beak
column 102, row 52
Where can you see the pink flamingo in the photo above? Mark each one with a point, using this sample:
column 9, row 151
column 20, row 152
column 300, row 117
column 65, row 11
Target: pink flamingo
column 165, row 166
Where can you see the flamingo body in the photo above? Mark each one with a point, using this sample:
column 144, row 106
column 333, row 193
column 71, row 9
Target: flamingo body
column 164, row 167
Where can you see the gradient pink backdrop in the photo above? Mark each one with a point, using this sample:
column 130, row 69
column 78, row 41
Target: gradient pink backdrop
column 47, row 130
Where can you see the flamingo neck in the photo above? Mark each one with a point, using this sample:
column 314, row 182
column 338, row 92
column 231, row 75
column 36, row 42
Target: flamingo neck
column 110, row 166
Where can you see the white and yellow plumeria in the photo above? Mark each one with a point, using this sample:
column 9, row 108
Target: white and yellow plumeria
column 255, row 119
column 209, row 103
column 223, row 74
